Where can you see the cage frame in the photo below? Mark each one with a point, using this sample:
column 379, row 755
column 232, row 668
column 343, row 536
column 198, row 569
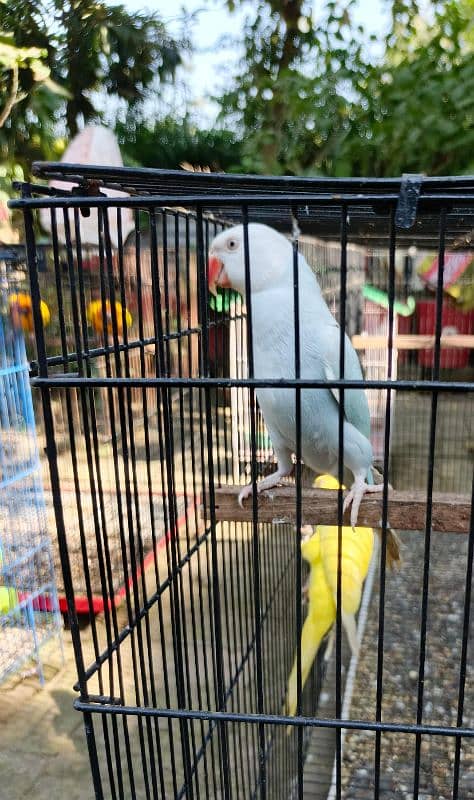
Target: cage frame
column 242, row 193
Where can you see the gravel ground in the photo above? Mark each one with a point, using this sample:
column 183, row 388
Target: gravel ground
column 400, row 678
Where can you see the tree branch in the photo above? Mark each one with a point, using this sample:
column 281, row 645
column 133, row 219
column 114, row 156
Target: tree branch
column 12, row 99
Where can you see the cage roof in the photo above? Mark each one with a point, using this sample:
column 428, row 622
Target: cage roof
column 317, row 202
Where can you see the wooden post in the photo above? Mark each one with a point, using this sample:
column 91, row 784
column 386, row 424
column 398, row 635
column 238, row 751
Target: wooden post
column 412, row 341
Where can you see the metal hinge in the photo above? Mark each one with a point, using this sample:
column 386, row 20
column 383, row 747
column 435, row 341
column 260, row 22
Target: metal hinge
column 410, row 188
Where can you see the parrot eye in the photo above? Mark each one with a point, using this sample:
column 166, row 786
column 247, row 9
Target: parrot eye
column 232, row 244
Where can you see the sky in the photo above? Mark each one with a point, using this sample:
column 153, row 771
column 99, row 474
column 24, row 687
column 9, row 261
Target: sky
column 208, row 67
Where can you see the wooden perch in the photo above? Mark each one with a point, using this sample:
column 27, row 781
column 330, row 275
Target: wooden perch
column 414, row 341
column 451, row 513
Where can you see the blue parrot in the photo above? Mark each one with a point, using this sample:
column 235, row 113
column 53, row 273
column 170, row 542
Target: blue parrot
column 273, row 331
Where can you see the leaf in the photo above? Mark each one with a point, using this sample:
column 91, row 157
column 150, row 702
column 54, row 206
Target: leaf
column 56, row 88
column 39, row 70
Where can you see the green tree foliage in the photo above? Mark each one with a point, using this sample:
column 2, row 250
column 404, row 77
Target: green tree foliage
column 88, row 46
column 311, row 96
column 168, row 142
column 24, row 78
column 290, row 99
column 415, row 111
column 105, row 47
column 13, row 59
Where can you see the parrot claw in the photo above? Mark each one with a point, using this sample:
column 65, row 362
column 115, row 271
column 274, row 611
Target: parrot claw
column 267, row 483
column 243, row 494
column 354, row 497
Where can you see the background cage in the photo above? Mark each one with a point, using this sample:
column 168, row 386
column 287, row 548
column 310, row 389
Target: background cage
column 183, row 689
column 29, row 611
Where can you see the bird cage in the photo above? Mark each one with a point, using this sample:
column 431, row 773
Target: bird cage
column 183, row 681
column 29, row 611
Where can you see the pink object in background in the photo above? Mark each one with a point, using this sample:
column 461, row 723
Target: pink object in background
column 93, row 145
column 454, row 266
column 453, row 318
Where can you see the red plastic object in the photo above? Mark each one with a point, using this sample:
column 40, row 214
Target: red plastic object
column 404, row 326
column 453, row 318
column 81, row 603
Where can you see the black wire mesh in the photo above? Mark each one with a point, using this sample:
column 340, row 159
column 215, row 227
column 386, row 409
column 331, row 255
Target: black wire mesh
column 148, row 393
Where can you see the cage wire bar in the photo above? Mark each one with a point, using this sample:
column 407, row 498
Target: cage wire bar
column 29, row 611
column 183, row 684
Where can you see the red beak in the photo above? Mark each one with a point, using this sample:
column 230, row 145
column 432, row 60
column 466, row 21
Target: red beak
column 216, row 275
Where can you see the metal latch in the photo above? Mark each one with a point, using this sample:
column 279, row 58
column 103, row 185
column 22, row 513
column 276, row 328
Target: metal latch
column 410, row 188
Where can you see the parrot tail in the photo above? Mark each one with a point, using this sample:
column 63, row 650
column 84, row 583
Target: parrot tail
column 350, row 627
column 393, row 558
column 308, row 654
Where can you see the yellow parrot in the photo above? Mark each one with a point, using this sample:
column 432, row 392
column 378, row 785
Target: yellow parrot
column 321, row 551
column 21, row 309
column 95, row 317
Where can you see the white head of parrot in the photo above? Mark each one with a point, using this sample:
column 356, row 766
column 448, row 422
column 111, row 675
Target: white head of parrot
column 270, row 258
